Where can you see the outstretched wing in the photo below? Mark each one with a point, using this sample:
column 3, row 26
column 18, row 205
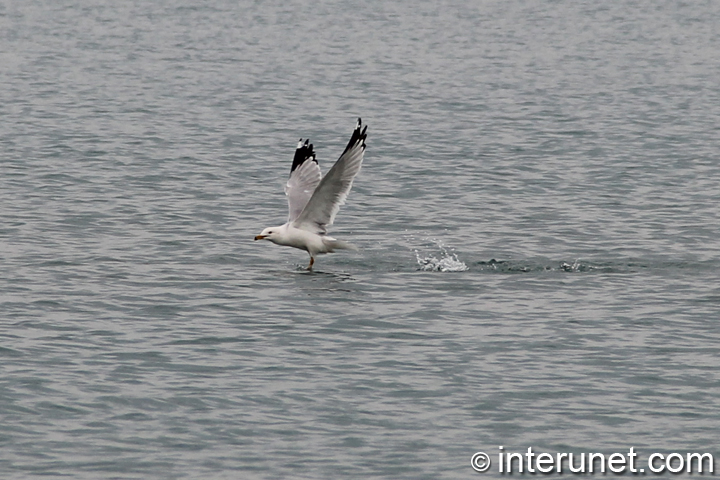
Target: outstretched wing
column 333, row 189
column 304, row 178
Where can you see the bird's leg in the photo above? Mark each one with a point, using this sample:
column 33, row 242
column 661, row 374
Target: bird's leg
column 312, row 260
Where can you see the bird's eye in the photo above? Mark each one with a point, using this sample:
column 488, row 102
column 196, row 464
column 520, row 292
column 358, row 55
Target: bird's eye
column 270, row 232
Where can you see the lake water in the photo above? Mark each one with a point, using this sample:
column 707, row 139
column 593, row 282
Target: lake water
column 538, row 218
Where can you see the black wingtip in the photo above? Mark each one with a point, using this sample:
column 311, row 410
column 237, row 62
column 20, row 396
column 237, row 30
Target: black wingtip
column 302, row 153
column 358, row 136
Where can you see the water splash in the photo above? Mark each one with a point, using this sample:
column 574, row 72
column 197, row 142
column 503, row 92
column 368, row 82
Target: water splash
column 575, row 267
column 447, row 261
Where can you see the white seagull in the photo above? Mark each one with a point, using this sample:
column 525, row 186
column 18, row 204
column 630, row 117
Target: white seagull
column 313, row 203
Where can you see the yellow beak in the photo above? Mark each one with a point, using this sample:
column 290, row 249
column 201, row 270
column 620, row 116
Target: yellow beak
column 259, row 237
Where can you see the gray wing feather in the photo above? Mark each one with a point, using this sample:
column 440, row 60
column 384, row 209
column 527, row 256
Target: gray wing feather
column 334, row 188
column 300, row 186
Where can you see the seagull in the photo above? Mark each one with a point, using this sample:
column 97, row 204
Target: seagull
column 312, row 202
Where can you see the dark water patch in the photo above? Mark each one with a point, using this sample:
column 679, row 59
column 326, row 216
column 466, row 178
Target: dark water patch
column 55, row 411
column 10, row 352
column 212, row 341
column 586, row 266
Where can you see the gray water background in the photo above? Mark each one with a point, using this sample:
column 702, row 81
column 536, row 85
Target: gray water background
column 561, row 157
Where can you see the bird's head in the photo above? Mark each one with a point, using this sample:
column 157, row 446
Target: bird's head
column 269, row 233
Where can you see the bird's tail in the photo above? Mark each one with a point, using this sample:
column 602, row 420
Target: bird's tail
column 333, row 244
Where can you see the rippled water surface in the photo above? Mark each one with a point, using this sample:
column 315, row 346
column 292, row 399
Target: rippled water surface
column 537, row 217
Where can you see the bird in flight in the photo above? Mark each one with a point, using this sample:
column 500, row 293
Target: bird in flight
column 313, row 202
